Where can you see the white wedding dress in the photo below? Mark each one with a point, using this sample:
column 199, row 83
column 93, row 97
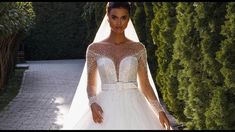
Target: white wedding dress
column 124, row 106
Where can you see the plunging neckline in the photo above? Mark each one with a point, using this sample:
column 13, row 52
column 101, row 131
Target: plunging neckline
column 116, row 56
column 117, row 69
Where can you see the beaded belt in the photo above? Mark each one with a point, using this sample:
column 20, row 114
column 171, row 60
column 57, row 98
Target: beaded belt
column 119, row 86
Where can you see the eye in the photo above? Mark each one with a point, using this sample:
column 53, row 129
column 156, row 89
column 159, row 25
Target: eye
column 113, row 17
column 124, row 17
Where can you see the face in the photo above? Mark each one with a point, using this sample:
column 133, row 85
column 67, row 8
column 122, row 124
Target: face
column 118, row 19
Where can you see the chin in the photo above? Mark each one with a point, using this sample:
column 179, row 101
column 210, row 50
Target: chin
column 119, row 32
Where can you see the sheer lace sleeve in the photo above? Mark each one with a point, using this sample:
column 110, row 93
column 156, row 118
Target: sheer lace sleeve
column 91, row 74
column 144, row 81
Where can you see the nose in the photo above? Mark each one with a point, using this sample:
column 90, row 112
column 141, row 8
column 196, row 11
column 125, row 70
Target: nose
column 119, row 22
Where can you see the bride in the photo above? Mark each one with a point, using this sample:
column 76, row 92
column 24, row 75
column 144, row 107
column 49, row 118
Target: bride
column 116, row 90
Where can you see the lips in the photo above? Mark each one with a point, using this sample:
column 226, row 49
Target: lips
column 118, row 29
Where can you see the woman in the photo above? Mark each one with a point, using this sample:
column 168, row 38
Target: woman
column 126, row 98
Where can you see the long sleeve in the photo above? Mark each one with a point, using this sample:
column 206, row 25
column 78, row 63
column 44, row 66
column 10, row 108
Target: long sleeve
column 92, row 73
column 144, row 81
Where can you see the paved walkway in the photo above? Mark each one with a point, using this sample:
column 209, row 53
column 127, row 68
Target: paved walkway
column 45, row 96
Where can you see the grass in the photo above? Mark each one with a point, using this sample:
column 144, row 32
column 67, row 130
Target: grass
column 12, row 88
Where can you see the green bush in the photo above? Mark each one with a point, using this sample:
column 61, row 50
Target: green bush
column 16, row 19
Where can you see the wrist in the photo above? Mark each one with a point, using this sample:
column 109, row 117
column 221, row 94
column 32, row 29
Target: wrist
column 156, row 105
column 92, row 99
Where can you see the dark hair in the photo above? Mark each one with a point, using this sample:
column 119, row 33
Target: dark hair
column 111, row 5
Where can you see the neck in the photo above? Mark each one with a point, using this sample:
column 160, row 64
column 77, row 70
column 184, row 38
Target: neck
column 117, row 38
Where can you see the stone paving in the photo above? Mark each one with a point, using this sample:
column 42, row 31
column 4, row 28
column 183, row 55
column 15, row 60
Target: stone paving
column 45, row 96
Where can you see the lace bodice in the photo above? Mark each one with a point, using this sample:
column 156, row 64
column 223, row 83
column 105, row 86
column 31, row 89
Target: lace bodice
column 116, row 63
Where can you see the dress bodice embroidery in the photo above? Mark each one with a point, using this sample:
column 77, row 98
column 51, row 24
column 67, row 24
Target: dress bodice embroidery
column 118, row 66
column 116, row 63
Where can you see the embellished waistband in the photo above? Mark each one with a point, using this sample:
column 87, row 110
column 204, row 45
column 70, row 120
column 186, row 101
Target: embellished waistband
column 119, row 86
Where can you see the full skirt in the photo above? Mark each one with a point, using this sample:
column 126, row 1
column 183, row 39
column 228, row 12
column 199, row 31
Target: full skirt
column 124, row 109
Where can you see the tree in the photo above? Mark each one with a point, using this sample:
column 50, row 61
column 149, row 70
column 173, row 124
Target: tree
column 163, row 26
column 16, row 18
column 226, row 57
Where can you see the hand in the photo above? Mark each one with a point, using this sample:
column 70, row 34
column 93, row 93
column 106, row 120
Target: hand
column 97, row 113
column 164, row 120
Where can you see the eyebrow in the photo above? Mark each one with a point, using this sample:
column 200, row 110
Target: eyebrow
column 116, row 16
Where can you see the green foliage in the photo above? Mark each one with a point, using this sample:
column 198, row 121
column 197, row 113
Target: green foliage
column 143, row 13
column 12, row 88
column 195, row 63
column 226, row 57
column 15, row 16
column 163, row 26
column 148, row 9
column 93, row 15
column 194, row 44
column 217, row 114
column 59, row 31
column 208, row 23
column 187, row 51
column 63, row 30
column 138, row 19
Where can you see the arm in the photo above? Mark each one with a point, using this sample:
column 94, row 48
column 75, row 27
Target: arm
column 91, row 74
column 145, row 85
column 91, row 85
column 147, row 89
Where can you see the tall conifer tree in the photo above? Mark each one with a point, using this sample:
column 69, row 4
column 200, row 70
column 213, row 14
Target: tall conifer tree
column 226, row 56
